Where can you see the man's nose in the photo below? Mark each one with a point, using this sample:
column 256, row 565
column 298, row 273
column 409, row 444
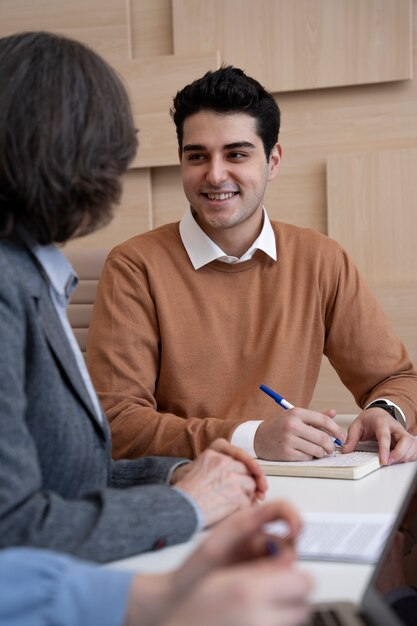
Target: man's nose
column 216, row 172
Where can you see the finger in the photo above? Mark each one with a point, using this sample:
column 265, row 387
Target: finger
column 286, row 585
column 315, row 443
column 279, row 510
column 247, row 486
column 232, row 541
column 284, row 615
column 383, row 436
column 404, row 451
column 310, row 440
column 252, row 466
column 354, row 435
column 290, row 453
column 239, row 528
column 323, row 422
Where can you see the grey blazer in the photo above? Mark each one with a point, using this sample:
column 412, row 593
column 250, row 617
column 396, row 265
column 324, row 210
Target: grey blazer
column 59, row 488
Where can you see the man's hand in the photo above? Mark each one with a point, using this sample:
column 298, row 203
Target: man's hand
column 297, row 435
column 396, row 445
column 264, row 593
column 221, row 480
column 242, row 538
column 231, row 578
column 237, row 581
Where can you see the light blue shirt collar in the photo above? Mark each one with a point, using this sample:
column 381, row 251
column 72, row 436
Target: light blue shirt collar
column 59, row 271
column 202, row 250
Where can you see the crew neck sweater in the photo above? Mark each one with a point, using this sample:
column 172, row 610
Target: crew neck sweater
column 177, row 354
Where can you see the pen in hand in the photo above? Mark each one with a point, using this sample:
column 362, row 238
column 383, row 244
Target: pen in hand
column 287, row 405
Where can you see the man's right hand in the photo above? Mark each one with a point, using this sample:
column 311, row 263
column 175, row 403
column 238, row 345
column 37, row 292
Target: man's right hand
column 222, row 480
column 232, row 578
column 297, row 435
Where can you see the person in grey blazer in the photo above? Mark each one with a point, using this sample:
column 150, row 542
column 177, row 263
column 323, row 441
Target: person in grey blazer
column 66, row 138
column 238, row 575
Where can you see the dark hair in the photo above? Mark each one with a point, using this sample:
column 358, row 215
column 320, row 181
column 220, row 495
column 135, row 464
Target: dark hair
column 66, row 137
column 229, row 90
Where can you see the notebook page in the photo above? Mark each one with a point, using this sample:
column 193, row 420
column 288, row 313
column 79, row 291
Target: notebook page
column 353, row 537
column 336, row 459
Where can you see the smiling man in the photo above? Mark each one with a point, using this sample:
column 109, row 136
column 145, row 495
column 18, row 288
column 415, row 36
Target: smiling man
column 192, row 317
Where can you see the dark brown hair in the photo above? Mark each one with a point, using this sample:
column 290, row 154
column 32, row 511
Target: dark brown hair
column 229, row 90
column 66, row 137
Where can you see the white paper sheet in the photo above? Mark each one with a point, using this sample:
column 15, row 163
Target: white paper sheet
column 340, row 536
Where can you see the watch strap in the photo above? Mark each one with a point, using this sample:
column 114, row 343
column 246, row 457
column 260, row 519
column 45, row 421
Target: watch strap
column 390, row 408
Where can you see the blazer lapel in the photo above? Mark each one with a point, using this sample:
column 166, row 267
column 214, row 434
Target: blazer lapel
column 58, row 342
column 32, row 275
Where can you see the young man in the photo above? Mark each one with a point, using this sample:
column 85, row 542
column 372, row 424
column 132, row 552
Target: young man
column 192, row 317
column 66, row 138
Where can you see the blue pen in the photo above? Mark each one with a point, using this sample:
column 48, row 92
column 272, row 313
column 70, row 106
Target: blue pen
column 285, row 404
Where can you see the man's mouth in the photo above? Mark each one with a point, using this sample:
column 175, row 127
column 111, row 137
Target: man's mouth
column 221, row 196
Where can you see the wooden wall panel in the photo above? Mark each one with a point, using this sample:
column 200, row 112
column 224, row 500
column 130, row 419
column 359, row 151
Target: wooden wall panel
column 305, row 44
column 150, row 25
column 169, row 201
column 370, row 200
column 153, row 81
column 100, row 25
column 297, row 195
column 157, row 141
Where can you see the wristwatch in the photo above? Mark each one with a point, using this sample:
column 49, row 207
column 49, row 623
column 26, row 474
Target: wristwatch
column 391, row 409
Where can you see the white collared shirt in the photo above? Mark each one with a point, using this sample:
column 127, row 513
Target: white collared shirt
column 201, row 251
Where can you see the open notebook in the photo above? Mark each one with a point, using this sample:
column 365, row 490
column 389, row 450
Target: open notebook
column 337, row 465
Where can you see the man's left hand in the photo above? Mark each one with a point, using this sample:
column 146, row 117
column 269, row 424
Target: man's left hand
column 396, row 445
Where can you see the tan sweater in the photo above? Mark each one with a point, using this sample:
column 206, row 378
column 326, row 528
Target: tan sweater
column 177, row 355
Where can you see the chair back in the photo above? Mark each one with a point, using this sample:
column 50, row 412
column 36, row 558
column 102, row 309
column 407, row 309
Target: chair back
column 88, row 265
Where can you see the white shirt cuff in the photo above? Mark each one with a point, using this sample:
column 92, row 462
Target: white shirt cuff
column 244, row 436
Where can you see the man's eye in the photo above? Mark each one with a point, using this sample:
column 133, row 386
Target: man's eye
column 237, row 155
column 196, row 157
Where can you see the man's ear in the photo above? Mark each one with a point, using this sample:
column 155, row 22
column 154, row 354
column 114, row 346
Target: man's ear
column 274, row 161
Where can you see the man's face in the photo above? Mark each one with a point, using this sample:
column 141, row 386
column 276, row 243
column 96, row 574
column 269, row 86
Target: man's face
column 224, row 170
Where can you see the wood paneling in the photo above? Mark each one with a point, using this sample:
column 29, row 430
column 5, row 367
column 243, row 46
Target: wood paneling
column 301, row 44
column 153, row 81
column 169, row 201
column 100, row 25
column 157, row 141
column 150, row 25
column 370, row 211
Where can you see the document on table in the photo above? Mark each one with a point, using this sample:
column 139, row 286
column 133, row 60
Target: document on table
column 352, row 537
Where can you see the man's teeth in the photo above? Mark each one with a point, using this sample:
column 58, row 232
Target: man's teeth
column 220, row 196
